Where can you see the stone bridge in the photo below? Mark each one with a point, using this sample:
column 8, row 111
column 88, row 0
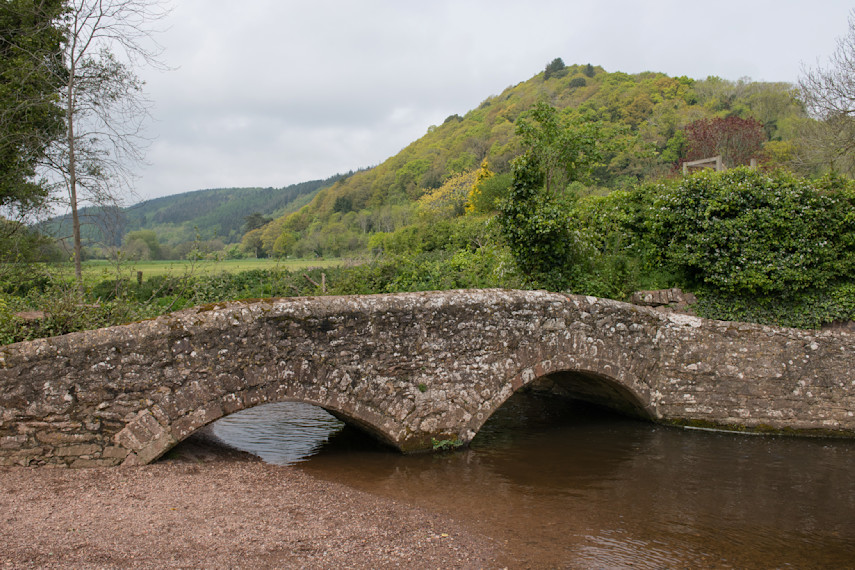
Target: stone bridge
column 412, row 369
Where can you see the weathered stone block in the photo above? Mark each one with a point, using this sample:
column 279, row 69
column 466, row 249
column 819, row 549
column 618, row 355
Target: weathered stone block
column 114, row 452
column 77, row 450
column 61, row 438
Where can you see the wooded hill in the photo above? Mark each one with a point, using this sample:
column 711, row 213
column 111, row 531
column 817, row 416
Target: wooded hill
column 200, row 215
column 644, row 115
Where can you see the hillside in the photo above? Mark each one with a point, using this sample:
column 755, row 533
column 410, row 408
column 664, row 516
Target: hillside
column 202, row 214
column 217, row 212
column 646, row 112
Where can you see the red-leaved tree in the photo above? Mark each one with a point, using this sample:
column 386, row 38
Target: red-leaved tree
column 736, row 140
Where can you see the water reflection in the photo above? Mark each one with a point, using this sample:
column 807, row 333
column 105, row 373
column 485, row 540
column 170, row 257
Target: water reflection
column 563, row 485
column 283, row 433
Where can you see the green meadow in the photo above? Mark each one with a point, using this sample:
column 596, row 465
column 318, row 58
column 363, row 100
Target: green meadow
column 98, row 270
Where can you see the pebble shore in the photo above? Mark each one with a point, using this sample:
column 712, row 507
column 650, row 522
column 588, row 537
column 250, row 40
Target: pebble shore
column 206, row 507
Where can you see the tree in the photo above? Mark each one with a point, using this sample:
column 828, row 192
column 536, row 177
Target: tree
column 487, row 190
column 30, row 116
column 252, row 243
column 535, row 225
column 829, row 95
column 102, row 101
column 534, row 218
column 449, row 200
column 564, row 150
column 255, row 221
column 736, row 140
column 555, row 68
column 145, row 243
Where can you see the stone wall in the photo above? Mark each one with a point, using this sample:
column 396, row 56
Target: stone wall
column 410, row 368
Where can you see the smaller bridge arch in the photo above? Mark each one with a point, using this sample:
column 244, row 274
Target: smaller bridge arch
column 410, row 368
column 593, row 380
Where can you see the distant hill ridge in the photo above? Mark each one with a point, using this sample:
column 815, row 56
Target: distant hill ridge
column 203, row 214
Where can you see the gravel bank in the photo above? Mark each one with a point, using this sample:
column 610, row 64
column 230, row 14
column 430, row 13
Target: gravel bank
column 209, row 508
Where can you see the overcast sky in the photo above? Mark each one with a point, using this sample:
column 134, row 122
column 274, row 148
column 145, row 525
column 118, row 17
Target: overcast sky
column 275, row 92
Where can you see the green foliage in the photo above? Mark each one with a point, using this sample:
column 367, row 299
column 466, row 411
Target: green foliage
column 446, row 444
column 449, row 200
column 193, row 216
column 747, row 232
column 487, row 190
column 21, row 244
column 254, row 221
column 555, row 68
column 535, row 216
column 764, row 247
column 142, row 244
column 63, row 310
column 564, row 150
column 803, row 309
column 535, row 225
column 637, row 121
column 30, row 117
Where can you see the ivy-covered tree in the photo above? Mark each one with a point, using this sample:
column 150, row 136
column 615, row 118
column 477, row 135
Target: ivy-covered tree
column 534, row 218
column 564, row 149
column 535, row 226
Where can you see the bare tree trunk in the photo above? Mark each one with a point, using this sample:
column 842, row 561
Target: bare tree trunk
column 72, row 191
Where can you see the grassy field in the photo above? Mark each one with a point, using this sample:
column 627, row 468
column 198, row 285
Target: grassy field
column 99, row 270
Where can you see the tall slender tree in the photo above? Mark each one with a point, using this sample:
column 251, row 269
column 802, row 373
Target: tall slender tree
column 103, row 102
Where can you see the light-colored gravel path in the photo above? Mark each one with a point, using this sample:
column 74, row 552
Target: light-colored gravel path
column 213, row 509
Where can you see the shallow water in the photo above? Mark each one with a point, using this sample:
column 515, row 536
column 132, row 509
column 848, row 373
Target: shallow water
column 564, row 485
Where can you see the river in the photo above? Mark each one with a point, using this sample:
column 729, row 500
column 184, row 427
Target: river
column 563, row 485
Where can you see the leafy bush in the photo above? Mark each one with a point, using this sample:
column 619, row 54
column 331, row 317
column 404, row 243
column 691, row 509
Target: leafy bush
column 744, row 232
column 805, row 310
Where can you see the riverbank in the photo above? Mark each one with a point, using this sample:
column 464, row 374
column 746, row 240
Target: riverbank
column 211, row 508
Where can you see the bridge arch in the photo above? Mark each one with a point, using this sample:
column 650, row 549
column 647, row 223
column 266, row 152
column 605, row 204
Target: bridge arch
column 597, row 381
column 593, row 388
column 155, row 430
